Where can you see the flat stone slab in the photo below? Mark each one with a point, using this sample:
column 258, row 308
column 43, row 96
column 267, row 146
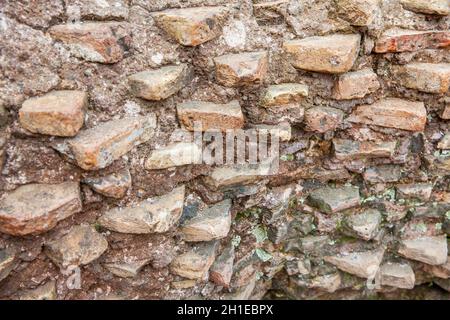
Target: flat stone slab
column 402, row 40
column 445, row 142
column 323, row 119
column 425, row 77
column 114, row 185
column 327, row 54
column 37, row 208
column 286, row 93
column 383, row 173
column 58, row 113
column 437, row 7
column 399, row 275
column 154, row 215
column 174, row 155
column 331, row 200
column 418, row 191
column 222, row 269
column 429, row 250
column 358, row 12
column 392, row 113
column 345, row 149
column 126, row 269
column 356, row 85
column 364, row 225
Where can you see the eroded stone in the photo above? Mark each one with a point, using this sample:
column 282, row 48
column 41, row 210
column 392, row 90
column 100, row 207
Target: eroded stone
column 114, row 185
column 430, row 250
column 7, row 262
column 399, row 275
column 445, row 142
column 418, row 191
column 354, row 85
column 358, row 12
column 383, row 173
column 331, row 200
column 174, row 155
column 402, row 40
column 438, row 7
column 222, row 269
column 345, row 149
column 281, row 94
column 127, row 269
column 425, row 77
column 364, row 225
column 323, row 119
column 46, row 291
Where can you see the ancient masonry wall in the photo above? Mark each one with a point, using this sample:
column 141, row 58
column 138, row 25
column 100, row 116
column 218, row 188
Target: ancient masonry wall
column 100, row 193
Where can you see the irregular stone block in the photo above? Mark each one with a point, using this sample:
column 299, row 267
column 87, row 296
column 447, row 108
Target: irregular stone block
column 331, row 200
column 419, row 191
column 438, row 7
column 7, row 262
column 425, row 77
column 281, row 130
column 399, row 275
column 98, row 147
column 101, row 10
column 363, row 225
column 174, row 155
column 209, row 224
column 323, row 119
column 191, row 26
column 345, row 149
column 234, row 70
column 222, row 269
column 161, row 83
column 46, row 291
column 58, row 113
column 392, row 113
column 104, row 42
column 383, row 174
column 430, row 250
column 114, row 185
column 446, row 113
column 328, row 282
column 127, row 269
column 445, row 142
column 195, row 263
column 364, row 264
column 210, row 115
column 36, row 208
column 80, row 246
column 328, row 54
column 441, row 271
column 354, row 85
column 402, row 40
column 154, row 215
column 358, row 12
column 280, row 94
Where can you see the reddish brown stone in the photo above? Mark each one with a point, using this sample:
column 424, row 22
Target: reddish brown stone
column 401, row 40
column 358, row 84
column 323, row 119
column 425, row 77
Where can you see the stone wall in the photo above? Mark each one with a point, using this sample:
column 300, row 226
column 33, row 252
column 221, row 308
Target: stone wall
column 101, row 193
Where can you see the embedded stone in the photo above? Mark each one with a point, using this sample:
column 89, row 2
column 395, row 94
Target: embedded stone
column 363, row 225
column 282, row 130
column 191, row 26
column 234, row 70
column 402, row 40
column 37, row 208
column 210, row 115
column 383, row 173
column 127, row 269
column 46, row 291
column 153, row 215
column 285, row 93
column 104, row 42
column 437, row 7
column 345, row 149
column 446, row 113
column 430, row 250
column 323, row 119
column 425, row 77
column 114, row 185
column 101, row 10
column 331, row 200
column 355, row 85
column 392, row 113
column 209, row 224
column 358, row 12
column 441, row 271
column 58, row 113
column 419, row 191
column 159, row 84
column 195, row 263
column 445, row 142
column 327, row 54
column 222, row 269
column 399, row 275
column 364, row 264
column 98, row 147
column 81, row 246
column 7, row 262
column 174, row 155
column 328, row 282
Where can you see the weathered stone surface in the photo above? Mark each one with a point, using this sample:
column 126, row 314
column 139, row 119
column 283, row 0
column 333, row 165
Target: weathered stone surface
column 441, row 271
column 126, row 269
column 234, row 70
column 364, row 225
column 98, row 147
column 399, row 275
column 392, row 113
column 401, row 40
column 383, row 173
column 331, row 200
column 328, row 54
column 323, row 119
column 191, row 26
column 209, row 224
column 174, row 155
column 36, row 208
column 58, row 113
column 364, row 264
column 426, row 77
column 222, row 269
column 104, row 42
column 444, row 284
column 418, row 191
column 345, row 149
column 114, row 185
column 195, row 263
column 155, row 215
column 430, row 250
column 358, row 12
column 283, row 130
column 210, row 115
column 280, row 94
column 354, row 85
column 445, row 142
column 7, row 262
column 438, row 7
column 46, row 291
column 80, row 246
column 161, row 83
column 3, row 116
column 100, row 10
column 328, row 282
column 446, row 113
